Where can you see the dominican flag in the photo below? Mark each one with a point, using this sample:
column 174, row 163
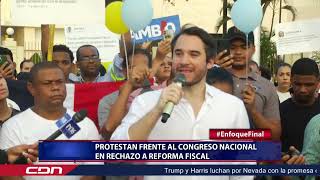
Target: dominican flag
column 87, row 96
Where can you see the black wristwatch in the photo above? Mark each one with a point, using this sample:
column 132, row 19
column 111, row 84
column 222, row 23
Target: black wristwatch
column 3, row 157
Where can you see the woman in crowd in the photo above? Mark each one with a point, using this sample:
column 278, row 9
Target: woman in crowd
column 283, row 75
column 6, row 111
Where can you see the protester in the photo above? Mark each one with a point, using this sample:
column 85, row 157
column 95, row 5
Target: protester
column 111, row 114
column 19, row 93
column 47, row 85
column 26, row 65
column 259, row 94
column 7, row 69
column 164, row 71
column 196, row 103
column 63, row 57
column 283, row 74
column 115, row 71
column 297, row 111
column 89, row 62
column 220, row 78
column 130, row 93
column 6, row 111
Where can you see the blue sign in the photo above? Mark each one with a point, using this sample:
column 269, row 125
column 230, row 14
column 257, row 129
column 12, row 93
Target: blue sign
column 154, row 32
column 67, row 126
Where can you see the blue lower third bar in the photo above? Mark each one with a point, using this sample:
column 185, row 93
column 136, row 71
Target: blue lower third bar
column 197, row 170
column 174, row 151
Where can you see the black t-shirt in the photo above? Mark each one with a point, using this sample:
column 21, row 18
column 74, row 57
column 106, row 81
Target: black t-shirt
column 20, row 94
column 294, row 119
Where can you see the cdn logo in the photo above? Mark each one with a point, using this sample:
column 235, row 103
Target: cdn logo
column 43, row 170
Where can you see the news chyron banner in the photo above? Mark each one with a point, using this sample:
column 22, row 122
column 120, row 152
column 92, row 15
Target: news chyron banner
column 227, row 152
column 121, row 169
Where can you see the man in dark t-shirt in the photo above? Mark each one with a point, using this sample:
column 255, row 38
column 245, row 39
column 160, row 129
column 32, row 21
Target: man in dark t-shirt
column 297, row 111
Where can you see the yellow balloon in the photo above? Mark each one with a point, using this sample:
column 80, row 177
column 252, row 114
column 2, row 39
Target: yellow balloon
column 114, row 20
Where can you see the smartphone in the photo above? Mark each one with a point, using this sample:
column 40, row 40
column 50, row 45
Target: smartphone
column 292, row 153
column 223, row 44
column 3, row 59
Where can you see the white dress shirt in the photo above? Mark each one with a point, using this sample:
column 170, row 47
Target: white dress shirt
column 219, row 110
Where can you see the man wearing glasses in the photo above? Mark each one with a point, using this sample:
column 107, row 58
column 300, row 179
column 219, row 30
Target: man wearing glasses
column 88, row 61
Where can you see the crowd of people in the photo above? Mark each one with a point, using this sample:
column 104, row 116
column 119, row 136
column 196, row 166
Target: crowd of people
column 221, row 90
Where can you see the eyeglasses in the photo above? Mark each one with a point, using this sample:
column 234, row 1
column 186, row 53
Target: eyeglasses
column 88, row 58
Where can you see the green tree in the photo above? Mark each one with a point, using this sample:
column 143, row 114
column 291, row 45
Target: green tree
column 316, row 56
column 268, row 52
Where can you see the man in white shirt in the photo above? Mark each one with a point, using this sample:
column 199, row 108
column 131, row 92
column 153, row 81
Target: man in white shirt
column 48, row 88
column 198, row 106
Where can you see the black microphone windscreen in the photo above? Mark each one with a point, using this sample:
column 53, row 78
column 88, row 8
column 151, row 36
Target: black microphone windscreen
column 79, row 116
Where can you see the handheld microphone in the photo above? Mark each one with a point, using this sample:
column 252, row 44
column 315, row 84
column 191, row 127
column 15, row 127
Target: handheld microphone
column 77, row 117
column 180, row 79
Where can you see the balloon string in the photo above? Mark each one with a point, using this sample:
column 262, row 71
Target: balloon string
column 247, row 64
column 126, row 56
column 134, row 45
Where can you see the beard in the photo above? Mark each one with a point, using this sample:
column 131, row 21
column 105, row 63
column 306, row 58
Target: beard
column 305, row 99
column 198, row 77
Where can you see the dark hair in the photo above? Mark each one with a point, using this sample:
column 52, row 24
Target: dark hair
column 203, row 35
column 25, row 61
column 137, row 51
column 83, row 46
column 6, row 51
column 251, row 62
column 217, row 74
column 40, row 66
column 63, row 48
column 305, row 66
column 265, row 72
column 282, row 65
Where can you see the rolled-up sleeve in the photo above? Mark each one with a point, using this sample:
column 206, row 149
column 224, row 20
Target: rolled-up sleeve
column 136, row 112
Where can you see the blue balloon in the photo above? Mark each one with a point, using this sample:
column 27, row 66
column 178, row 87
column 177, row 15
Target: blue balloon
column 137, row 14
column 246, row 15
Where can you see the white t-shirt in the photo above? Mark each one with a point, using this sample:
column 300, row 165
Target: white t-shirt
column 28, row 127
column 283, row 96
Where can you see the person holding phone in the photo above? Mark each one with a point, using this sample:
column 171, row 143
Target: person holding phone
column 258, row 94
column 7, row 66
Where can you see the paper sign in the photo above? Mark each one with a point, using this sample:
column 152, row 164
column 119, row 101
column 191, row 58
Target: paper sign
column 59, row 12
column 96, row 35
column 298, row 37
